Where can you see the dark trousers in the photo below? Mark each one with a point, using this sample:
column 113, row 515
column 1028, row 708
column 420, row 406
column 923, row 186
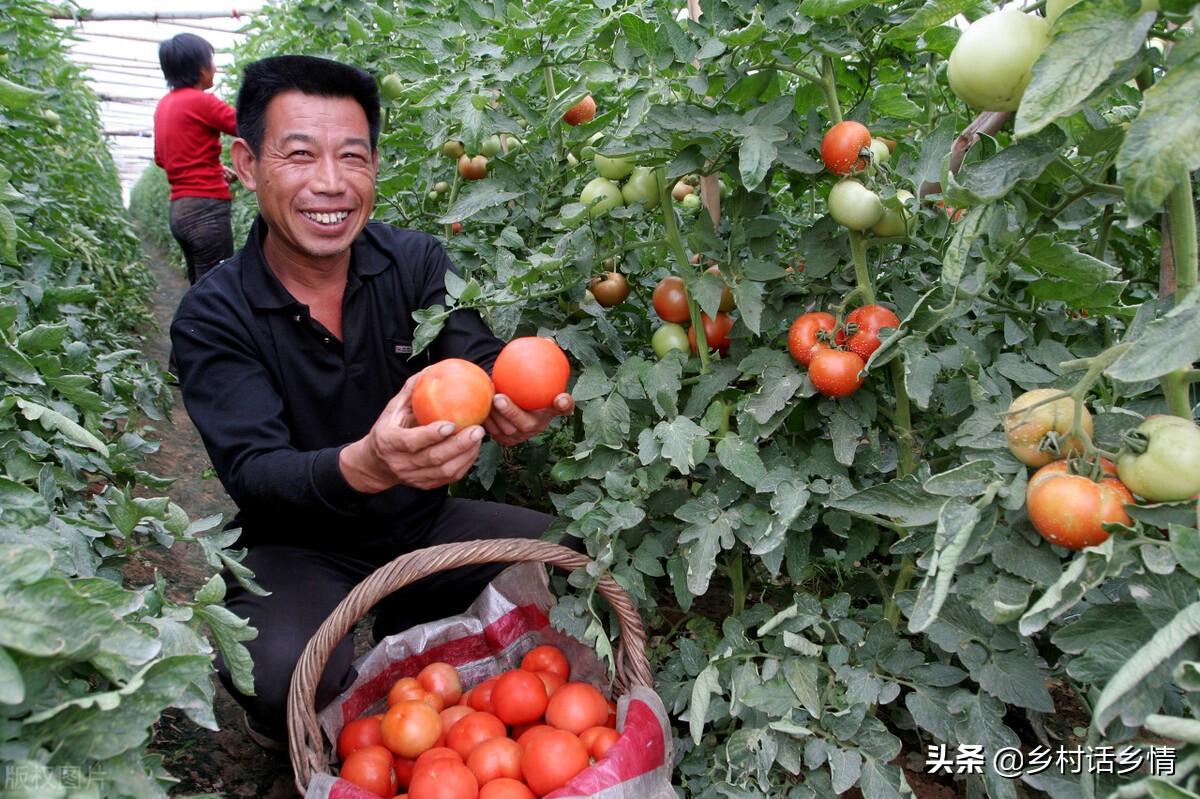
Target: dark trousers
column 203, row 229
column 306, row 585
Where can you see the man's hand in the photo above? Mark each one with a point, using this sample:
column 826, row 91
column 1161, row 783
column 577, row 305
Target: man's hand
column 509, row 424
column 398, row 452
column 230, row 176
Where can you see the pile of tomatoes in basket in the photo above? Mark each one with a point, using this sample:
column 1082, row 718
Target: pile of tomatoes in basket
column 520, row 735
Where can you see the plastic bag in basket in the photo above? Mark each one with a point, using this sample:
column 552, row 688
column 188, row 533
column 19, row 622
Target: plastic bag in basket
column 507, row 620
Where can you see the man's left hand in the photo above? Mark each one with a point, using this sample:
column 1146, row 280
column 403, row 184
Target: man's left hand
column 510, row 424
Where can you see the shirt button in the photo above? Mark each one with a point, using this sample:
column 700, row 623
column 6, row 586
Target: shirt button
column 327, row 339
column 296, row 318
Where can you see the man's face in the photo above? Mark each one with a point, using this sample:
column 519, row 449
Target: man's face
column 314, row 177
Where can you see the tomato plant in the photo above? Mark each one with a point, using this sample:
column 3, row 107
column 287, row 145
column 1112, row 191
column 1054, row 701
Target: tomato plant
column 583, row 111
column 531, row 371
column 1037, row 414
column 854, row 205
column 613, row 168
column 452, row 390
column 600, row 196
column 670, row 337
column 641, row 188
column 473, row 167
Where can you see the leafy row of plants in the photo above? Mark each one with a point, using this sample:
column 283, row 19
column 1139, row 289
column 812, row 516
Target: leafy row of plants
column 87, row 663
column 837, row 578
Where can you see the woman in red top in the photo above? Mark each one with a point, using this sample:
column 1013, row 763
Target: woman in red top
column 188, row 124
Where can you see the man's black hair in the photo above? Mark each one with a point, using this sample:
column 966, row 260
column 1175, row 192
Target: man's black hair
column 182, row 57
column 269, row 77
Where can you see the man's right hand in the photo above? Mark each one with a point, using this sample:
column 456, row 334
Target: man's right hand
column 398, row 452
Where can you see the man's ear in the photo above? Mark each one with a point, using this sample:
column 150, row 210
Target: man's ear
column 243, row 163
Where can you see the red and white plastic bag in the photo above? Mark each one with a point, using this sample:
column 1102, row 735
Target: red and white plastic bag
column 507, row 620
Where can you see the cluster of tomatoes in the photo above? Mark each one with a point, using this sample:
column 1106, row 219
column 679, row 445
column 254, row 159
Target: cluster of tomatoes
column 673, row 306
column 849, row 148
column 836, row 355
column 520, row 735
column 531, row 371
column 605, row 192
column 1070, row 500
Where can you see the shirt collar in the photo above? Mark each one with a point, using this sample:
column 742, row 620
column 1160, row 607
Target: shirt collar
column 264, row 290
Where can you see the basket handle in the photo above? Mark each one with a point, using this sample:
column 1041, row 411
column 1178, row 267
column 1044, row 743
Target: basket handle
column 305, row 745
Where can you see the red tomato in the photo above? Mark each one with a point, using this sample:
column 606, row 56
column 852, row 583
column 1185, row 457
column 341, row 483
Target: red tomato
column 612, row 715
column 531, row 371
column 716, row 332
column 437, row 753
column 403, row 766
column 452, row 714
column 473, row 730
column 671, row 300
column 495, row 758
column 405, row 689
column 481, row 695
column 582, row 111
column 551, row 760
column 358, row 734
column 410, row 727
column 551, row 680
column 842, row 147
column 527, row 737
column 519, row 697
column 599, row 740
column 868, row 319
column 547, row 658
column 370, row 768
column 441, row 679
column 452, row 390
column 803, row 340
column 835, row 372
column 577, row 706
column 1069, row 509
column 443, row 779
column 472, row 168
column 505, row 788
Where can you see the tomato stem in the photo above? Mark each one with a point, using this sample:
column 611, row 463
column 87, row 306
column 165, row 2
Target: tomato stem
column 1182, row 213
column 737, row 583
column 891, row 610
column 1175, row 386
column 454, row 185
column 862, row 276
column 829, row 86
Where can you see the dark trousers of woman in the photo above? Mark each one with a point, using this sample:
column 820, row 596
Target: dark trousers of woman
column 306, row 585
column 203, row 229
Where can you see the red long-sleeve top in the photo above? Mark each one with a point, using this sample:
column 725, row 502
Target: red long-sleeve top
column 188, row 124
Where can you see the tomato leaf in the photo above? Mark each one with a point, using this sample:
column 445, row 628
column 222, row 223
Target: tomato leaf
column 903, row 501
column 1090, row 40
column 1185, row 544
column 706, row 684
column 479, row 196
column 956, row 523
column 973, row 226
column 70, row 429
column 986, row 181
column 1167, row 344
column 757, row 153
column 1085, row 572
column 742, row 460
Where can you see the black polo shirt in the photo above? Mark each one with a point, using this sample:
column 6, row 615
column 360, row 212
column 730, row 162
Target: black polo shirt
column 275, row 395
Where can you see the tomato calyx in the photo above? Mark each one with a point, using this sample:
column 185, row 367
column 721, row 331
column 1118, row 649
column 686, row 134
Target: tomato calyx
column 1135, row 441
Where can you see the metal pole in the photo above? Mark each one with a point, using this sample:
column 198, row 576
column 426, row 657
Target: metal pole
column 152, row 16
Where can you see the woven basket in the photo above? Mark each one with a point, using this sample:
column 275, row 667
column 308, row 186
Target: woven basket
column 305, row 743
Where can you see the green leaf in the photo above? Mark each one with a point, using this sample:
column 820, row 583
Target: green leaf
column 709, row 532
column 803, row 675
column 776, row 388
column 18, row 367
column 1013, row 678
column 481, row 195
column 969, row 480
column 1159, row 788
column 211, row 592
column 229, row 631
column 742, row 460
column 845, row 766
column 757, row 153
column 930, row 15
column 707, row 683
column 1085, row 572
column 684, row 443
column 8, row 236
column 902, row 500
column 641, row 34
column 956, row 523
column 21, row 505
column 1175, row 728
column 1162, row 146
column 1165, row 345
column 1161, row 647
column 1089, row 42
column 1185, row 546
column 12, row 684
column 14, row 95
column 976, row 222
column 986, row 181
column 53, row 420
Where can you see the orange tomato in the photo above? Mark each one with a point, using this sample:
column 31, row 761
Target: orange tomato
column 441, row 679
column 452, row 390
column 359, row 734
column 575, row 707
column 547, row 658
column 551, row 680
column 551, row 760
column 411, row 727
column 519, row 697
column 599, row 740
column 370, row 768
column 481, row 695
column 504, row 788
column 473, row 730
column 495, row 758
column 443, row 779
column 405, row 689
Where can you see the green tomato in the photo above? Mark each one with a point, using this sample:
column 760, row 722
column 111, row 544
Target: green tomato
column 992, row 62
column 1168, row 467
column 670, row 337
column 432, row 195
column 613, row 168
column 600, row 196
column 691, row 202
column 391, row 87
column 441, row 187
column 51, row 116
column 515, row 145
column 642, row 187
column 880, row 154
column 895, row 222
column 853, row 205
column 1054, row 8
column 452, row 148
column 490, row 146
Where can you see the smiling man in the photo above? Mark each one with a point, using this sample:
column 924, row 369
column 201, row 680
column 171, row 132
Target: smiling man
column 296, row 364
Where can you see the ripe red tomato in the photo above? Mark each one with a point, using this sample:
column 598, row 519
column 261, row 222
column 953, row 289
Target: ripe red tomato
column 505, row 788
column 411, row 727
column 1068, row 509
column 575, row 707
column 481, row 695
column 551, row 760
column 583, row 111
column 437, row 753
column 452, row 714
column 599, row 740
column 443, row 779
column 495, row 758
column 519, row 697
column 842, row 146
column 835, row 372
column 441, row 679
column 610, row 290
column 370, row 768
column 803, row 341
column 359, row 734
column 530, row 733
column 452, row 390
column 671, row 300
column 869, row 320
column 551, row 680
column 403, row 766
column 716, row 332
column 547, row 658
column 473, row 730
column 405, row 689
column 472, row 168
column 531, row 371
